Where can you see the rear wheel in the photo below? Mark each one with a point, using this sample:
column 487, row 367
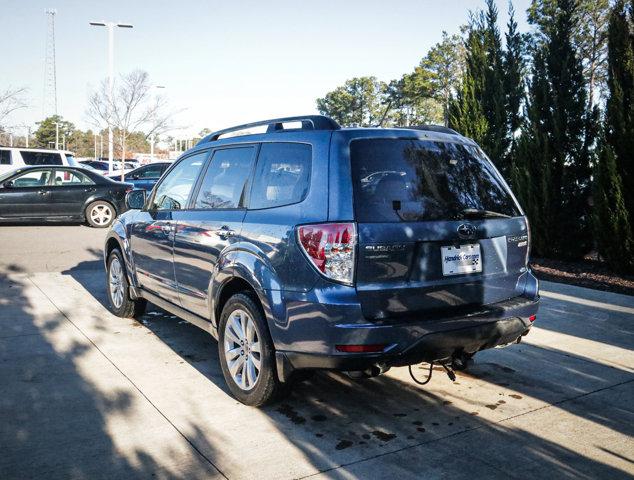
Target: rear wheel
column 246, row 352
column 100, row 214
column 118, row 292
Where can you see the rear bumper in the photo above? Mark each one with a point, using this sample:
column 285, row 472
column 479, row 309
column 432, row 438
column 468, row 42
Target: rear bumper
column 410, row 340
column 433, row 346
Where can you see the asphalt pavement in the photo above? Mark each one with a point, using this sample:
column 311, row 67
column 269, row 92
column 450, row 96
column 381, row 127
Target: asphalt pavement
column 84, row 394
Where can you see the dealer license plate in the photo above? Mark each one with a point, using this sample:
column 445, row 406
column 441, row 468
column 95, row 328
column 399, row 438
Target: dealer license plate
column 462, row 259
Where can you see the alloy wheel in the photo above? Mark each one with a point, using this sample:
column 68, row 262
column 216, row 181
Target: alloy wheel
column 115, row 279
column 101, row 214
column 242, row 349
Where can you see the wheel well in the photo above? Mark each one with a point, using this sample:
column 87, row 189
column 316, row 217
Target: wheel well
column 110, row 246
column 235, row 285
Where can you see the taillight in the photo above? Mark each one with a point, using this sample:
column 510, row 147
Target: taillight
column 330, row 248
column 360, row 348
column 532, row 318
column 528, row 240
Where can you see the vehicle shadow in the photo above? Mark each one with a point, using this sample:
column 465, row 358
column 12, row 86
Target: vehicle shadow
column 336, row 421
column 54, row 423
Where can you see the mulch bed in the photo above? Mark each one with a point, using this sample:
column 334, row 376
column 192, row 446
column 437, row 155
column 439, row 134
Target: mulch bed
column 585, row 273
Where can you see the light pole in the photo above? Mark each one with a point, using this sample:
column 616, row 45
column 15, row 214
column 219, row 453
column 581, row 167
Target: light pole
column 56, row 135
column 110, row 26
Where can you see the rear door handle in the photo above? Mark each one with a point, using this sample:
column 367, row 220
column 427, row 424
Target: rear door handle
column 224, row 232
column 42, row 192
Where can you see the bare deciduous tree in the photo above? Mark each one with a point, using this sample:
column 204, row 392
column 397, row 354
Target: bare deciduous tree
column 11, row 99
column 133, row 108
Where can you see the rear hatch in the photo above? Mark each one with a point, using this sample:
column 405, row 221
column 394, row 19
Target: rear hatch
column 438, row 230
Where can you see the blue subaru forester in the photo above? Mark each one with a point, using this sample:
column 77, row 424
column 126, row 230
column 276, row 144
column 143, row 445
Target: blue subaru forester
column 309, row 246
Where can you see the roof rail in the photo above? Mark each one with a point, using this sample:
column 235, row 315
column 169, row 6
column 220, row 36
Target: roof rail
column 435, row 128
column 309, row 122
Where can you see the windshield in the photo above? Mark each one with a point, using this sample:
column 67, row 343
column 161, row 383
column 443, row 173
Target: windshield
column 398, row 180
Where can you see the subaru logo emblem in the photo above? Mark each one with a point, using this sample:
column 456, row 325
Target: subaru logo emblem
column 466, row 230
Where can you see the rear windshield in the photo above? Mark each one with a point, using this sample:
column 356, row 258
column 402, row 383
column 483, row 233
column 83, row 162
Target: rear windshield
column 398, row 180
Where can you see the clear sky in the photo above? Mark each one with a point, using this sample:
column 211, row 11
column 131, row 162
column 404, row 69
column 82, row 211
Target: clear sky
column 223, row 62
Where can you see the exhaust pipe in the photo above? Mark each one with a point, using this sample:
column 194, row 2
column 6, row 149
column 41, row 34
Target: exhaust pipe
column 373, row 371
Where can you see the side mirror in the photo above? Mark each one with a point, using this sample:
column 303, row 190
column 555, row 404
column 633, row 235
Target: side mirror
column 135, row 200
column 8, row 184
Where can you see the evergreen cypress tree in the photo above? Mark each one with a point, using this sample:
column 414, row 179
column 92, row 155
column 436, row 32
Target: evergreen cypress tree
column 619, row 122
column 559, row 139
column 479, row 110
column 466, row 113
column 514, row 68
column 532, row 168
column 493, row 97
column 613, row 232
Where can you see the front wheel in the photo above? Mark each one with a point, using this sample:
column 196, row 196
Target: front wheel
column 246, row 352
column 100, row 214
column 117, row 284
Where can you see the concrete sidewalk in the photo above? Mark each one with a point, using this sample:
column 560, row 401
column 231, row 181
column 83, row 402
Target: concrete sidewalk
column 84, row 394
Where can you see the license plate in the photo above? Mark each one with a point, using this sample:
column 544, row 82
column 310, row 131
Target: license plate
column 462, row 259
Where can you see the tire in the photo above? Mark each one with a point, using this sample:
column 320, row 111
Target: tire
column 239, row 361
column 117, row 285
column 100, row 214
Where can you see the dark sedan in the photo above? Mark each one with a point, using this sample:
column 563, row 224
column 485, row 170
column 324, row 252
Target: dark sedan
column 61, row 194
column 144, row 177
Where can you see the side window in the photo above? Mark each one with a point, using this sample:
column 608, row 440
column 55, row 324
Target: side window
column 68, row 177
column 5, row 157
column 151, row 171
column 173, row 192
column 39, row 178
column 282, row 176
column 226, row 178
column 41, row 158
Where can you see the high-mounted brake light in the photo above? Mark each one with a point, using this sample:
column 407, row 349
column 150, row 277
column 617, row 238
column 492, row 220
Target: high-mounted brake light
column 330, row 248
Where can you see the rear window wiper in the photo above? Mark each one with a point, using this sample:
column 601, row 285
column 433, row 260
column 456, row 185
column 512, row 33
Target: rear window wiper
column 477, row 213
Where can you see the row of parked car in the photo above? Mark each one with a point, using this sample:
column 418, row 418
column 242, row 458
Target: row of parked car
column 51, row 185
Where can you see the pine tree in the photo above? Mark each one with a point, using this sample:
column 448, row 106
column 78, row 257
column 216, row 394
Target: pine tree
column 479, row 109
column 493, row 99
column 466, row 112
column 619, row 122
column 514, row 69
column 613, row 232
column 560, row 138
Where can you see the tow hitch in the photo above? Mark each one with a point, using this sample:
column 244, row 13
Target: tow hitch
column 448, row 369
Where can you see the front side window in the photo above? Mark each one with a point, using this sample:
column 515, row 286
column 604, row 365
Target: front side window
column 402, row 180
column 173, row 192
column 68, row 177
column 39, row 178
column 282, row 176
column 225, row 179
column 41, row 158
column 5, row 157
